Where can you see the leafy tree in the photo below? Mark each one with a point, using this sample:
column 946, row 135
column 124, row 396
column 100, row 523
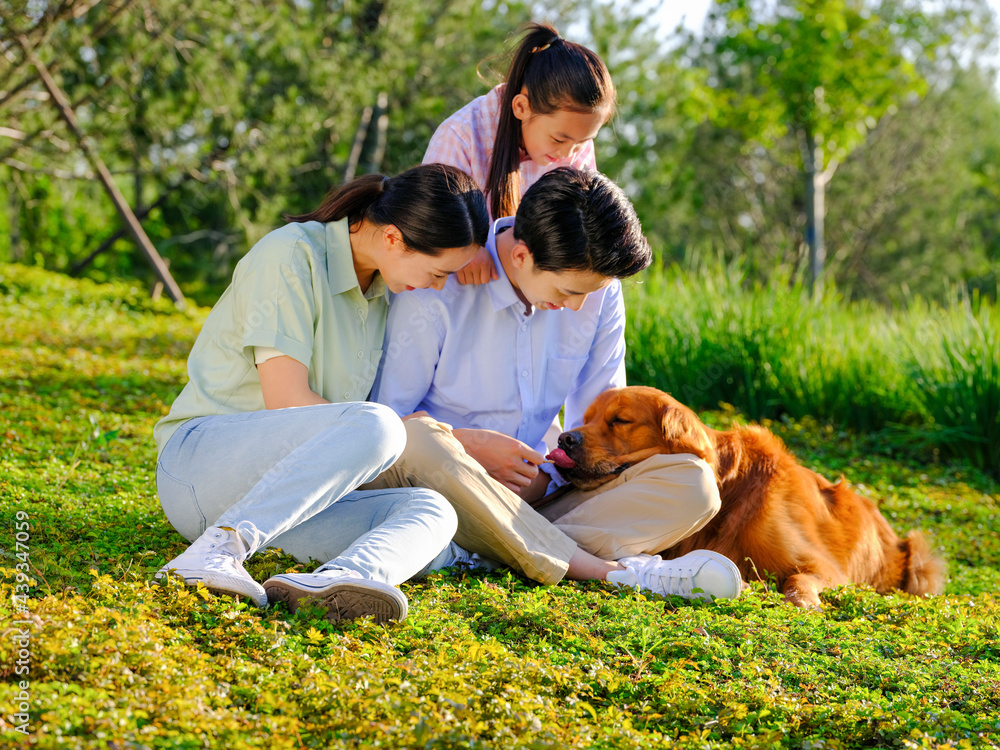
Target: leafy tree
column 222, row 116
column 215, row 118
column 823, row 71
column 917, row 204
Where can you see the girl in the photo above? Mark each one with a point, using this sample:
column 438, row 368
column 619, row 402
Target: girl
column 302, row 326
column 556, row 96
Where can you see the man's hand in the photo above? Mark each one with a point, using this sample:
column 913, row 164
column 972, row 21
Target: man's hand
column 479, row 270
column 506, row 459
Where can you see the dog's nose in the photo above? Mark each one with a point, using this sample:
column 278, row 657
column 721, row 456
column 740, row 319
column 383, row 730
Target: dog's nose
column 570, row 440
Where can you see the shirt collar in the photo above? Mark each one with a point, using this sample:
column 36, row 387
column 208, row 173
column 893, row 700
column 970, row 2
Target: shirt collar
column 340, row 263
column 502, row 293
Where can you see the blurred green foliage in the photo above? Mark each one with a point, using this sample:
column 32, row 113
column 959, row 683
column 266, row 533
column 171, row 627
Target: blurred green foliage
column 223, row 116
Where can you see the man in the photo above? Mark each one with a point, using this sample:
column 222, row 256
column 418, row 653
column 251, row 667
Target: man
column 492, row 366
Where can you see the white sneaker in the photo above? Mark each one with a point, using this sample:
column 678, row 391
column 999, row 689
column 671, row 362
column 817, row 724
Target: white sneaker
column 344, row 593
column 215, row 559
column 701, row 574
column 462, row 558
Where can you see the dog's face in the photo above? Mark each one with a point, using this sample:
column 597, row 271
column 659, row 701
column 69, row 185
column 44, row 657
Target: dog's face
column 624, row 426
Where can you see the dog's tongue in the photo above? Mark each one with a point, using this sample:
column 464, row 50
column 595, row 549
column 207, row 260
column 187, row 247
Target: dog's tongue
column 560, row 459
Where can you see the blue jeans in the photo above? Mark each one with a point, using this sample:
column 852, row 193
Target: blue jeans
column 292, row 473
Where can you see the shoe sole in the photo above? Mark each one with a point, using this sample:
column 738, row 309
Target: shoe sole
column 193, row 582
column 343, row 600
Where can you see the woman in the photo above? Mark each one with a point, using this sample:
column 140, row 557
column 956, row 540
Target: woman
column 302, row 326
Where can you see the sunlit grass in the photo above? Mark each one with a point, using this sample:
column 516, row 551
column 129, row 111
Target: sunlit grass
column 483, row 661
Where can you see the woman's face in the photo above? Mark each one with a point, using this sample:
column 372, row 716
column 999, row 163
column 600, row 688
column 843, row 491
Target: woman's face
column 405, row 270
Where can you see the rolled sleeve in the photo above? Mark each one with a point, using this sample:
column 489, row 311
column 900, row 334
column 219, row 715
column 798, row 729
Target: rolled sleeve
column 278, row 310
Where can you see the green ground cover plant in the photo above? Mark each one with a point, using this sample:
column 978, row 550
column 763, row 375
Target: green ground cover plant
column 484, row 660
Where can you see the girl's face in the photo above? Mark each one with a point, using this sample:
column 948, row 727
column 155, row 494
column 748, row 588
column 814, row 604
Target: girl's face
column 405, row 270
column 554, row 138
column 552, row 290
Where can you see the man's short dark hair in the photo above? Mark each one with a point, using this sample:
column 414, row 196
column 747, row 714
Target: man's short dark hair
column 573, row 220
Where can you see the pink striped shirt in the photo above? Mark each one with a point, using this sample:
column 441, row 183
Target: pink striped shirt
column 465, row 140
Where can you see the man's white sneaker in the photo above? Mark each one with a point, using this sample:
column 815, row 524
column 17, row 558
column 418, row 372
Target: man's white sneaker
column 343, row 593
column 701, row 574
column 216, row 560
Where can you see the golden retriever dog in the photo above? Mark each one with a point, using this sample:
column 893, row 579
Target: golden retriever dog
column 778, row 519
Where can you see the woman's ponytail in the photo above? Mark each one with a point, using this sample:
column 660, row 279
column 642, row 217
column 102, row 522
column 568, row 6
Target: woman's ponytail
column 351, row 201
column 434, row 206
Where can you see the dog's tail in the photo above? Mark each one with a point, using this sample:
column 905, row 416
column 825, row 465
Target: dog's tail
column 925, row 571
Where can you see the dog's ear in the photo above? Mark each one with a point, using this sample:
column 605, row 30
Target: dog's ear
column 730, row 452
column 683, row 432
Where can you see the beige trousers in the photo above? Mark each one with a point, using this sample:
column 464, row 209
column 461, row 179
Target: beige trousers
column 647, row 508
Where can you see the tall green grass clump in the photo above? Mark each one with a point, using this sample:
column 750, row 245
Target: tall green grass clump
column 954, row 360
column 708, row 336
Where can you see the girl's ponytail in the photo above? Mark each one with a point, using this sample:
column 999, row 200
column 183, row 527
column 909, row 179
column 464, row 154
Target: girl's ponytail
column 503, row 183
column 555, row 74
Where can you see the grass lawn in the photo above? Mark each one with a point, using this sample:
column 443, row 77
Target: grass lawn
column 100, row 658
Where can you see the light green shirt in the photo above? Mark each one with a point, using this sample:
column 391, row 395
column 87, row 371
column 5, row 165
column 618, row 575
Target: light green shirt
column 296, row 291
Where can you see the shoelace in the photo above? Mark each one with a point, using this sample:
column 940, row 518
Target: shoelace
column 655, row 577
column 234, row 545
column 251, row 531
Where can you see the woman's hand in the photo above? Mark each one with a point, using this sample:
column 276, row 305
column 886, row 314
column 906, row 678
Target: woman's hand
column 506, row 459
column 415, row 415
column 479, row 270
column 285, row 382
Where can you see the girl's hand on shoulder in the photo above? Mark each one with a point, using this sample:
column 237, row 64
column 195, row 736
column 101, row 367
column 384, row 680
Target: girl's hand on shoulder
column 506, row 459
column 479, row 270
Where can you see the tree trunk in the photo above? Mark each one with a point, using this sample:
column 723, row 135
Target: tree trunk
column 368, row 149
column 374, row 149
column 359, row 141
column 128, row 217
column 812, row 157
column 14, row 209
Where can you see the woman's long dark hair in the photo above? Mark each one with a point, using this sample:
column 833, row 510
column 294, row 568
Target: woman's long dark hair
column 572, row 220
column 434, row 206
column 555, row 75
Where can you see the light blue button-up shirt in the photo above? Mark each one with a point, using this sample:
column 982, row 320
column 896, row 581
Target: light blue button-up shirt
column 470, row 357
